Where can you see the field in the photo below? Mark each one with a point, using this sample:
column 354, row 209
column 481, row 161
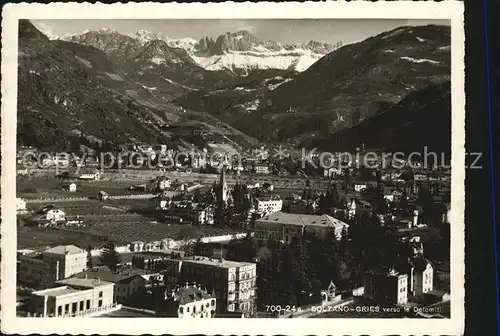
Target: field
column 52, row 188
column 122, row 221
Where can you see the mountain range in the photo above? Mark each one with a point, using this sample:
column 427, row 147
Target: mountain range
column 72, row 95
column 340, row 90
column 238, row 52
column 106, row 86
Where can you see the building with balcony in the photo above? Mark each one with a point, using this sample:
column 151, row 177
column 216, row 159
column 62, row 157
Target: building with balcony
column 74, row 298
column 233, row 283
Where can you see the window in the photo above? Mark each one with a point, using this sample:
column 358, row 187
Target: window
column 59, row 310
column 81, row 305
column 194, row 309
column 181, row 310
column 66, row 308
column 212, row 303
column 100, row 294
column 74, row 307
column 88, row 304
column 100, row 304
column 187, row 309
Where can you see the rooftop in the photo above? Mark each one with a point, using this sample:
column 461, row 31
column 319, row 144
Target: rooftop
column 267, row 198
column 65, row 249
column 191, row 294
column 56, row 291
column 216, row 262
column 106, row 275
column 302, row 220
column 83, row 283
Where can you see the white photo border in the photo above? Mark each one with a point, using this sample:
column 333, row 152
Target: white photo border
column 452, row 10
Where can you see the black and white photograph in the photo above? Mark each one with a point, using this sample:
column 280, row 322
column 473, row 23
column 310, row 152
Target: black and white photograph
column 238, row 168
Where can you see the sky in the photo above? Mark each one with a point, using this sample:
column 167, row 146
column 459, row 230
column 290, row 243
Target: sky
column 286, row 31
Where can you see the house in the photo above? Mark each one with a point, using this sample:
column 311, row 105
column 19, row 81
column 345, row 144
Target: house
column 70, row 187
column 360, row 186
column 196, row 213
column 74, row 298
column 20, row 206
column 102, row 195
column 330, row 294
column 50, row 216
column 386, row 286
column 189, row 301
column 90, row 174
column 22, row 172
column 332, row 172
column 163, row 184
column 268, row 204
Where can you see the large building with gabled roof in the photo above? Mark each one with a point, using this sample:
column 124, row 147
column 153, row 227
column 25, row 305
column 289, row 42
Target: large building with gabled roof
column 280, row 226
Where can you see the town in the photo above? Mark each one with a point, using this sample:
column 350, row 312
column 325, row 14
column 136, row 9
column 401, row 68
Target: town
column 266, row 236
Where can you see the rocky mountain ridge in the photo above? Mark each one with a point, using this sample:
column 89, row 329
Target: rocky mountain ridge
column 239, row 52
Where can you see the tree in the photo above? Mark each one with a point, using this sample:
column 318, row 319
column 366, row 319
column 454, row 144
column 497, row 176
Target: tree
column 89, row 256
column 109, row 256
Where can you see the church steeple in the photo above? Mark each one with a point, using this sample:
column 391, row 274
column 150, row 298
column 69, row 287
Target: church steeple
column 223, row 185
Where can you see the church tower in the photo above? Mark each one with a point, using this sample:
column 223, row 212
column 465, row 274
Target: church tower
column 223, row 190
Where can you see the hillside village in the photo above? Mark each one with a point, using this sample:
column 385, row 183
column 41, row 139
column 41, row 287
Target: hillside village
column 179, row 202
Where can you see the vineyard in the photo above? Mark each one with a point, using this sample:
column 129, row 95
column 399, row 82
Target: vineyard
column 122, row 221
column 37, row 188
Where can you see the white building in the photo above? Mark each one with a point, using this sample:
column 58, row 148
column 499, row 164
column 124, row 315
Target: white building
column 74, row 298
column 268, row 204
column 191, row 302
column 421, row 277
column 164, row 184
column 386, row 287
column 359, row 186
column 351, row 208
column 71, row 259
column 20, row 205
column 93, row 174
column 262, row 169
column 331, row 172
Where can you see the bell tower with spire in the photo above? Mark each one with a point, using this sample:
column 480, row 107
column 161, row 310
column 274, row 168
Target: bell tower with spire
column 223, row 190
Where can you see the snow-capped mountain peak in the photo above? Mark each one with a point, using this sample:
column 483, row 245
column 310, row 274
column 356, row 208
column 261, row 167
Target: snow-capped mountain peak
column 239, row 51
